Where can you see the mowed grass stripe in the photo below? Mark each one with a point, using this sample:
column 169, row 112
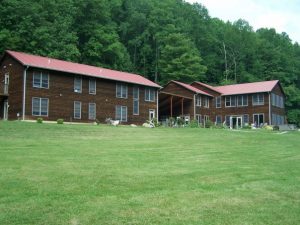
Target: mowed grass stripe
column 83, row 174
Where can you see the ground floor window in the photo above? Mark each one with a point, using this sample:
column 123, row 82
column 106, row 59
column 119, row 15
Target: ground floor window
column 258, row 119
column 77, row 110
column 121, row 113
column 227, row 120
column 40, row 106
column 277, row 119
column 245, row 119
column 218, row 119
column 198, row 118
column 92, row 111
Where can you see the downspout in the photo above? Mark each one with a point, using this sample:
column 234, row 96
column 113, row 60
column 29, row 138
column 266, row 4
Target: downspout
column 157, row 106
column 24, row 91
column 195, row 106
column 270, row 114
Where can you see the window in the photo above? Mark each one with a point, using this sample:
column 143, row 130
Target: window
column 246, row 119
column 206, row 118
column 198, row 100
column 242, row 100
column 277, row 119
column 149, row 95
column 136, row 100
column 218, row 119
column 40, row 80
column 258, row 119
column 198, row 118
column 92, row 86
column 40, row 106
column 77, row 84
column 258, row 99
column 92, row 111
column 121, row 91
column 277, row 101
column 230, row 101
column 227, row 120
column 218, row 102
column 77, row 110
column 205, row 101
column 121, row 113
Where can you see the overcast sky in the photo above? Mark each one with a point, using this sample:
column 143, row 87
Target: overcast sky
column 282, row 15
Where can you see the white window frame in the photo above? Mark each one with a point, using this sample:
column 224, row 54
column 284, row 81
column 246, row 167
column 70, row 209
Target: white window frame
column 220, row 99
column 230, row 101
column 243, row 100
column 205, row 118
column 94, row 80
column 148, row 94
column 76, row 90
column 94, row 117
column 40, row 75
column 136, row 100
column 123, row 90
column 258, row 103
column 75, row 111
column 199, row 118
column 121, row 113
column 40, row 106
column 206, row 102
column 243, row 116
column 254, row 114
column 198, row 100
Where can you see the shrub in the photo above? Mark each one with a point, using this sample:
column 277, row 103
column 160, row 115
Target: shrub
column 194, row 124
column 180, row 121
column 60, row 121
column 208, row 124
column 276, row 128
column 97, row 122
column 39, row 120
column 155, row 122
column 171, row 121
column 246, row 127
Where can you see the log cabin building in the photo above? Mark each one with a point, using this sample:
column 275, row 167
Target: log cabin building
column 33, row 86
column 235, row 105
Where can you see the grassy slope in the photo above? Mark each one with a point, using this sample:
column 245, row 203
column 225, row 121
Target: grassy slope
column 80, row 174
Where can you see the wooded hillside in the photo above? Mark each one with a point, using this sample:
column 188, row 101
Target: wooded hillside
column 161, row 40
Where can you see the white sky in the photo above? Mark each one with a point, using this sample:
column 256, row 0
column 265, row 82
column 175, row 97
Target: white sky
column 283, row 15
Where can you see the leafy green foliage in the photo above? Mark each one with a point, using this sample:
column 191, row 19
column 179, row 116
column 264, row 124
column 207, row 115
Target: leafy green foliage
column 160, row 40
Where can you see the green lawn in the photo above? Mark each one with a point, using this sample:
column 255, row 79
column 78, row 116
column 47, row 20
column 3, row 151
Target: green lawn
column 83, row 174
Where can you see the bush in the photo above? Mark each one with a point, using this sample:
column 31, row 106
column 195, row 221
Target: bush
column 39, row 120
column 247, row 127
column 171, row 121
column 208, row 124
column 194, row 124
column 60, row 121
column 276, row 128
column 155, row 122
column 180, row 121
column 97, row 122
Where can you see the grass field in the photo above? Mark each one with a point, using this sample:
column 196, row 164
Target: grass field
column 83, row 174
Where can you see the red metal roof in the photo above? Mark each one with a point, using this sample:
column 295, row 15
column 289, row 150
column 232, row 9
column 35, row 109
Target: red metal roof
column 191, row 88
column 247, row 88
column 206, row 85
column 76, row 68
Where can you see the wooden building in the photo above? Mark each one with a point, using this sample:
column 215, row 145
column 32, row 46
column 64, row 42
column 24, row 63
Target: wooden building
column 33, row 86
column 255, row 103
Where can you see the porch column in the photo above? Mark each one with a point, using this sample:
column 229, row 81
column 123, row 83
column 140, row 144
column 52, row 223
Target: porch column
column 182, row 106
column 171, row 109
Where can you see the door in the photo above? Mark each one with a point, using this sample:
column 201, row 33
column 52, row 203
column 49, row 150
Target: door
column 6, row 83
column 151, row 114
column 236, row 122
column 258, row 120
column 5, row 110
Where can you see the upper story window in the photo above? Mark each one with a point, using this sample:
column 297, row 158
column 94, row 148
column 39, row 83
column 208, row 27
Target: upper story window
column 230, row 101
column 258, row 99
column 205, row 101
column 40, row 80
column 92, row 86
column 121, row 91
column 78, row 84
column 150, row 94
column 277, row 101
column 218, row 102
column 198, row 100
column 136, row 100
column 242, row 100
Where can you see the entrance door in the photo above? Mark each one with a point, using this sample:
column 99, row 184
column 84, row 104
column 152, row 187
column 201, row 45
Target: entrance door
column 5, row 110
column 258, row 119
column 151, row 114
column 236, row 122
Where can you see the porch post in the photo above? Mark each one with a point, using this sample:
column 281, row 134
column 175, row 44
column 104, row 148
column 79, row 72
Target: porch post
column 182, row 106
column 171, row 106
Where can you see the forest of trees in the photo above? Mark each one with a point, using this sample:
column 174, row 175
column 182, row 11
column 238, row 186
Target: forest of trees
column 161, row 40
